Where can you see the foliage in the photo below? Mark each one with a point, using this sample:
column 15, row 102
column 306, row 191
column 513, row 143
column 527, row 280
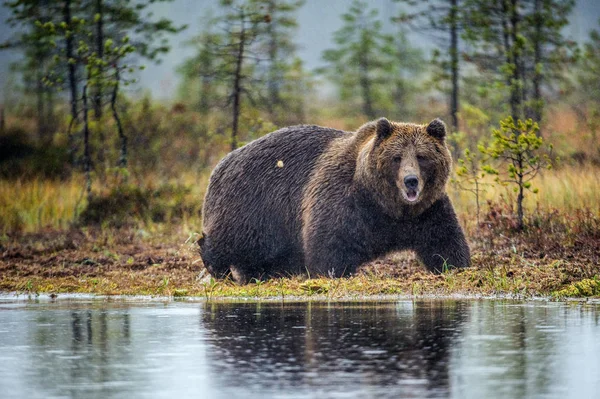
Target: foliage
column 234, row 55
column 278, row 45
column 519, row 149
column 367, row 62
column 476, row 124
column 245, row 58
column 521, row 47
column 38, row 51
column 128, row 205
column 85, row 46
column 201, row 81
column 24, row 159
column 585, row 99
column 589, row 76
column 442, row 19
column 470, row 177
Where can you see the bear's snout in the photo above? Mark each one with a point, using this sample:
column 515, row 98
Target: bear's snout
column 411, row 182
column 411, row 189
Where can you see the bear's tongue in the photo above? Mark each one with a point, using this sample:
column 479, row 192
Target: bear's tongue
column 411, row 195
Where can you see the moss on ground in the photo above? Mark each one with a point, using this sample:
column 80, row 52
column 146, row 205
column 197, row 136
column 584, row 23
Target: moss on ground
column 588, row 287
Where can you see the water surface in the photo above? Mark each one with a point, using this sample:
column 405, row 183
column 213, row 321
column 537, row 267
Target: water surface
column 461, row 349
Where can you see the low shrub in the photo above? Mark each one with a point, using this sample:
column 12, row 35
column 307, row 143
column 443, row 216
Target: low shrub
column 21, row 159
column 128, row 205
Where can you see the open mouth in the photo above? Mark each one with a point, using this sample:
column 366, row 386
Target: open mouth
column 411, row 195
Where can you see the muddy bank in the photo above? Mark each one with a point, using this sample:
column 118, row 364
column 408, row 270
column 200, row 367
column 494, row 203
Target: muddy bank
column 558, row 261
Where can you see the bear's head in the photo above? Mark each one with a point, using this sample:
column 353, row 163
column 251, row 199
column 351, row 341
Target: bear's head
column 404, row 166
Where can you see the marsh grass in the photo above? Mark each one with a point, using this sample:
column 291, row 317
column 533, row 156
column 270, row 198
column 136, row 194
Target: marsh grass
column 567, row 188
column 35, row 204
column 30, row 205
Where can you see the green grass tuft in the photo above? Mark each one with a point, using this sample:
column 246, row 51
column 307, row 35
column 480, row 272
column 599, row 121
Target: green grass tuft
column 587, row 287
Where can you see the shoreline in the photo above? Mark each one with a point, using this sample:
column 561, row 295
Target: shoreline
column 20, row 297
column 166, row 263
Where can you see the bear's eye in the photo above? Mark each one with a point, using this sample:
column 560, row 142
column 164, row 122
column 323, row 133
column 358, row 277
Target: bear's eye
column 421, row 158
column 397, row 159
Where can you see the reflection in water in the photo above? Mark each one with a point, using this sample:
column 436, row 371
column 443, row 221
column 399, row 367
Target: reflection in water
column 461, row 349
column 529, row 350
column 367, row 346
column 77, row 349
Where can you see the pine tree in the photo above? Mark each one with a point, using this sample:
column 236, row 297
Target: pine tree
column 90, row 49
column 235, row 55
column 112, row 20
column 586, row 103
column 278, row 45
column 202, row 76
column 403, row 75
column 442, row 20
column 519, row 150
column 361, row 64
column 520, row 42
column 30, row 16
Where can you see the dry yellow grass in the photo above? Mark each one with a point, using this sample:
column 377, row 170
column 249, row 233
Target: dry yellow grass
column 569, row 188
column 566, row 189
column 30, row 205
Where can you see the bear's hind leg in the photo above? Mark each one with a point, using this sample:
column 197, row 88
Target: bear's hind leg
column 215, row 266
column 244, row 271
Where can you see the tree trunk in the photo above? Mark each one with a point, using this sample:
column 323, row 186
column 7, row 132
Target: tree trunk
column 508, row 56
column 516, row 95
column 477, row 200
column 87, row 162
column 71, row 76
column 2, row 120
column 204, row 93
column 537, row 105
column 50, row 115
column 41, row 119
column 100, row 51
column 454, row 64
column 237, row 82
column 521, row 195
column 400, row 94
column 365, row 84
column 206, row 72
column 98, row 88
column 274, row 78
column 113, row 106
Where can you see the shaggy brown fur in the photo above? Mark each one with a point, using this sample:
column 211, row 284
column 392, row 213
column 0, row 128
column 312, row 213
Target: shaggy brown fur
column 323, row 201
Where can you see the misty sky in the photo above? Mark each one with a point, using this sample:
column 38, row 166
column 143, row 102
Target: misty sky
column 318, row 19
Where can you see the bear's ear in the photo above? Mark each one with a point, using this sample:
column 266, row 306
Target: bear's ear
column 437, row 129
column 384, row 128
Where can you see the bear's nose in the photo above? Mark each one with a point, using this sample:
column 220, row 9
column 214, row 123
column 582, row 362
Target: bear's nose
column 411, row 182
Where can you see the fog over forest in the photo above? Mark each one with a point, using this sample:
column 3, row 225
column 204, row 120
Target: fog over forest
column 317, row 20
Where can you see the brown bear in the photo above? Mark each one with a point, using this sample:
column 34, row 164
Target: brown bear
column 309, row 199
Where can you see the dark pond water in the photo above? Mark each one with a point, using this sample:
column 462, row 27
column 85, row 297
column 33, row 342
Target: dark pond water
column 461, row 349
